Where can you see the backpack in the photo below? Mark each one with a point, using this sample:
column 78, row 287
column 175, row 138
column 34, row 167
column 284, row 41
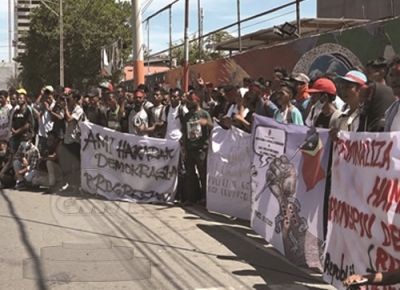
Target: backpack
column 180, row 113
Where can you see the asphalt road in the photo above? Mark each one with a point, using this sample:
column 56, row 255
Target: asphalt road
column 61, row 242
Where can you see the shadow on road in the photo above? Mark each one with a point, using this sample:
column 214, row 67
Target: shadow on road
column 26, row 242
column 274, row 270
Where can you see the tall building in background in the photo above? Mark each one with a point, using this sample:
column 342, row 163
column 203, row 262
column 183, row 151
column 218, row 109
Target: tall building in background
column 22, row 11
column 358, row 9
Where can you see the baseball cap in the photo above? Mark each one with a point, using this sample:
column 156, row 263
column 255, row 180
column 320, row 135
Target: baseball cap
column 49, row 88
column 93, row 93
column 21, row 91
column 323, row 85
column 301, row 78
column 106, row 85
column 355, row 76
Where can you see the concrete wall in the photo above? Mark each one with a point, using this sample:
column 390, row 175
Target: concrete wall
column 359, row 9
column 6, row 71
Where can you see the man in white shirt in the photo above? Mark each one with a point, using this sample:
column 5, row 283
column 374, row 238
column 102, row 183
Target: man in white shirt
column 173, row 116
column 4, row 116
column 140, row 119
column 353, row 83
column 157, row 110
column 44, row 104
column 73, row 116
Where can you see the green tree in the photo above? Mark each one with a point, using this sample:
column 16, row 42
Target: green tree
column 88, row 26
column 208, row 53
column 217, row 37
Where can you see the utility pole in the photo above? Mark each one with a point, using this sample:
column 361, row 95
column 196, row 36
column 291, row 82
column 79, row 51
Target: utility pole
column 199, row 26
column 186, row 50
column 148, row 46
column 170, row 37
column 298, row 17
column 61, row 24
column 392, row 7
column 9, row 33
column 201, row 33
column 239, row 26
column 138, row 65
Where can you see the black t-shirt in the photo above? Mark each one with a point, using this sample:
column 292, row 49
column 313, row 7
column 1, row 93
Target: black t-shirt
column 323, row 121
column 96, row 116
column 58, row 125
column 220, row 110
column 195, row 135
column 20, row 118
column 125, row 119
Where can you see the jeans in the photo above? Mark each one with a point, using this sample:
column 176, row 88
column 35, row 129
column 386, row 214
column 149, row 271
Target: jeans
column 14, row 144
column 50, row 178
column 28, row 176
column 196, row 159
column 42, row 144
column 74, row 178
column 180, row 192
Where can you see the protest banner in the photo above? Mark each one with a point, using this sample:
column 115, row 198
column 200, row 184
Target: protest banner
column 228, row 172
column 288, row 183
column 364, row 210
column 127, row 167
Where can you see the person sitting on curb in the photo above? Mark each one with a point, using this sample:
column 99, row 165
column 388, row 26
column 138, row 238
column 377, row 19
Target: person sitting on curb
column 25, row 162
column 7, row 179
column 48, row 174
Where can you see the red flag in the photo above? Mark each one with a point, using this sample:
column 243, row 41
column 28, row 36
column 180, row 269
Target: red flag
column 312, row 170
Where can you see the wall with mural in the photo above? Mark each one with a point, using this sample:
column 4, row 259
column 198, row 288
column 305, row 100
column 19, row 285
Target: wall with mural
column 336, row 51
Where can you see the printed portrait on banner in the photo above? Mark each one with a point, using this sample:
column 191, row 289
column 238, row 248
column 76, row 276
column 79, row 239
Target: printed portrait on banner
column 288, row 179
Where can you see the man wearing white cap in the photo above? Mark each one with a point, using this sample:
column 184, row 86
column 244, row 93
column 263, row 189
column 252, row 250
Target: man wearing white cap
column 302, row 97
column 353, row 83
column 44, row 104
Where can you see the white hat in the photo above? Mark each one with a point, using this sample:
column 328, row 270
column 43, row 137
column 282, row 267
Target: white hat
column 49, row 88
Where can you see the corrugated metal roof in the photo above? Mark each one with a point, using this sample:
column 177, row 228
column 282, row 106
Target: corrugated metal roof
column 267, row 37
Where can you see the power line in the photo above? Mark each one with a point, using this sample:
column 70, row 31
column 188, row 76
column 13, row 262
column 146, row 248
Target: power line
column 147, row 6
column 270, row 11
column 90, row 3
column 265, row 20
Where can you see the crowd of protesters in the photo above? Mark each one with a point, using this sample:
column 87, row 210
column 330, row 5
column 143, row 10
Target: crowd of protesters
column 40, row 136
column 35, row 128
column 36, row 131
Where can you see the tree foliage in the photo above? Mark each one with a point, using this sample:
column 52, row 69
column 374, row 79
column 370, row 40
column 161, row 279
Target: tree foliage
column 88, row 26
column 207, row 52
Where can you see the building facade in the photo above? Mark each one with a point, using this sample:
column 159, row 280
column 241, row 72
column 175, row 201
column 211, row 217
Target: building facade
column 22, row 11
column 358, row 9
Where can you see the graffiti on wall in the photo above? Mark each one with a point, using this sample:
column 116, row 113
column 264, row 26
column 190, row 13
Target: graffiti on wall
column 327, row 58
column 336, row 51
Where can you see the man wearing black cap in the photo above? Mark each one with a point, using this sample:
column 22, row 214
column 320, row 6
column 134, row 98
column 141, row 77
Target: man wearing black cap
column 94, row 113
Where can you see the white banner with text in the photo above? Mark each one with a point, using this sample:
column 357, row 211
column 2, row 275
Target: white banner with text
column 228, row 173
column 127, row 167
column 364, row 207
